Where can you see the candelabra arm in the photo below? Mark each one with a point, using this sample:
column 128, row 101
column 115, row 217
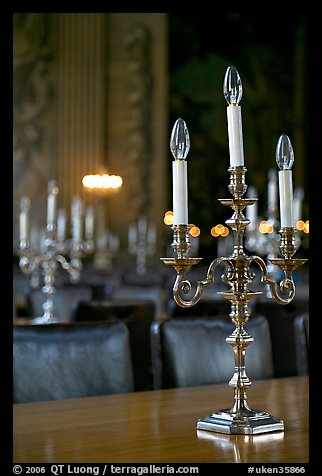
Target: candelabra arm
column 73, row 268
column 29, row 266
column 183, row 285
column 285, row 285
column 212, row 268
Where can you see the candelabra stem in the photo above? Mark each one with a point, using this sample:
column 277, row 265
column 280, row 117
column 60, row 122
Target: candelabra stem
column 49, row 266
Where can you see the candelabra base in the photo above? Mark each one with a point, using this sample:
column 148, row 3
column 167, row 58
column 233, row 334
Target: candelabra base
column 46, row 320
column 255, row 422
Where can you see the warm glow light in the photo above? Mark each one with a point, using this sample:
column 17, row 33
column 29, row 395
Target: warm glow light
column 306, row 227
column 225, row 232
column 219, row 230
column 300, row 225
column 213, row 232
column 168, row 218
column 194, row 231
column 102, row 182
column 265, row 227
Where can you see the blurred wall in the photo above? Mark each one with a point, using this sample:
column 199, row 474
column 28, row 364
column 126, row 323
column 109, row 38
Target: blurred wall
column 90, row 96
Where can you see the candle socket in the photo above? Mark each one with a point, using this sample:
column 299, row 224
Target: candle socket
column 181, row 240
column 237, row 185
column 287, row 245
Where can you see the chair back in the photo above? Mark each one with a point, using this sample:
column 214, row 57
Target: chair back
column 138, row 316
column 281, row 324
column 193, row 351
column 59, row 361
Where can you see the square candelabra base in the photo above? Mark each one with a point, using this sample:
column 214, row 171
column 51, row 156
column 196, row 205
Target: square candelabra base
column 254, row 423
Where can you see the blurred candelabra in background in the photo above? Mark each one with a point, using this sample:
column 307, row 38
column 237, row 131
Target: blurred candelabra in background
column 42, row 260
column 141, row 242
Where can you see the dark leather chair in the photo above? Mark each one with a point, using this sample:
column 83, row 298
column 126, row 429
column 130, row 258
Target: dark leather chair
column 65, row 298
column 138, row 316
column 60, row 361
column 281, row 323
column 193, row 351
column 301, row 331
column 146, row 292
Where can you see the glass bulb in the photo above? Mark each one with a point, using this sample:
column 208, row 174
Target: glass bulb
column 284, row 153
column 180, row 141
column 233, row 89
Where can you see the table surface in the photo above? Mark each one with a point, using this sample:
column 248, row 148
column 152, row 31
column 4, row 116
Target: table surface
column 159, row 426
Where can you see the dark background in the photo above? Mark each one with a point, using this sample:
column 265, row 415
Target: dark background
column 270, row 53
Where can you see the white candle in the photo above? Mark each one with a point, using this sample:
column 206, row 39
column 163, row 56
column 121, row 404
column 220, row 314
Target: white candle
column 235, row 135
column 24, row 218
column 272, row 190
column 76, row 220
column 286, row 197
column 52, row 201
column 233, row 93
column 297, row 204
column 252, row 210
column 180, row 145
column 180, row 192
column 61, row 224
column 89, row 223
column 285, row 159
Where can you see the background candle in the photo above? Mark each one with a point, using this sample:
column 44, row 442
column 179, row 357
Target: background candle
column 89, row 223
column 76, row 220
column 297, row 204
column 272, row 190
column 61, row 224
column 252, row 210
column 52, row 201
column 179, row 146
column 233, row 92
column 24, row 218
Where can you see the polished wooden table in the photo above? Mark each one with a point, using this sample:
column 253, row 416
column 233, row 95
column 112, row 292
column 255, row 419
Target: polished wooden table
column 160, row 426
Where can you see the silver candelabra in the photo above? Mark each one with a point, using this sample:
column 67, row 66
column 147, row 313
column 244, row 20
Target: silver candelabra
column 240, row 418
column 44, row 261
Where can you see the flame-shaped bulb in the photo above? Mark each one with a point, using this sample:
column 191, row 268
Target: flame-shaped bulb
column 233, row 89
column 284, row 153
column 180, row 141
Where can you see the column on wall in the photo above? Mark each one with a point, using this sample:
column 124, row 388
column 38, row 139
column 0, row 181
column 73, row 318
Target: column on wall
column 80, row 100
